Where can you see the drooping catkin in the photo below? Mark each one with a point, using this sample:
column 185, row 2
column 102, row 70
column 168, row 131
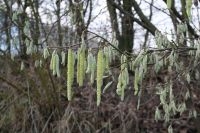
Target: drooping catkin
column 89, row 62
column 169, row 4
column 81, row 66
column 57, row 65
column 41, row 62
column 52, row 63
column 78, row 66
column 100, row 72
column 93, row 70
column 70, row 73
column 123, row 78
column 136, row 81
column 188, row 7
column 22, row 66
column 45, row 53
column 63, row 58
column 91, row 66
column 107, row 53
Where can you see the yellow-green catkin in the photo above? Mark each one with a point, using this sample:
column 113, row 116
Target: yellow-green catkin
column 107, row 54
column 57, row 65
column 169, row 4
column 54, row 63
column 100, row 72
column 89, row 62
column 93, row 70
column 78, row 66
column 52, row 60
column 70, row 74
column 45, row 53
column 91, row 66
column 22, row 66
column 63, row 58
column 188, row 7
column 123, row 78
column 81, row 66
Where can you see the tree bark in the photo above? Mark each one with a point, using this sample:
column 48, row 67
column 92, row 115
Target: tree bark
column 127, row 32
column 59, row 31
column 126, row 40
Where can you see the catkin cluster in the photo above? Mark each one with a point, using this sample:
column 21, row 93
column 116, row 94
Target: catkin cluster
column 139, row 65
column 108, row 56
column 91, row 66
column 54, row 64
column 123, row 78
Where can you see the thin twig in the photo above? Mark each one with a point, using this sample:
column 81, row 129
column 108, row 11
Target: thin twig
column 107, row 42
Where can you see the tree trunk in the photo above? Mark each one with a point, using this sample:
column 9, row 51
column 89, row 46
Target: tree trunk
column 126, row 40
column 59, row 23
column 127, row 32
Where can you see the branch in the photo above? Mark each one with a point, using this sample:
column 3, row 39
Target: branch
column 145, row 23
column 150, row 18
column 183, row 19
column 113, row 18
column 90, row 14
column 107, row 42
column 178, row 49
